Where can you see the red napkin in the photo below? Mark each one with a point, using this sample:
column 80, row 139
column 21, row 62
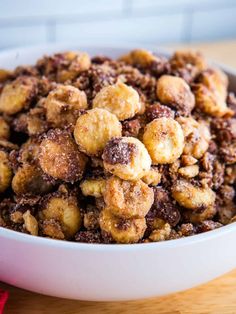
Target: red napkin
column 3, row 299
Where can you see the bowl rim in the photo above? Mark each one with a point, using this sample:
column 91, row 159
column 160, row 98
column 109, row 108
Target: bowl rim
column 181, row 242
column 38, row 240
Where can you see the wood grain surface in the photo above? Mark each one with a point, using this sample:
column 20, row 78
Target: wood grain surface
column 216, row 297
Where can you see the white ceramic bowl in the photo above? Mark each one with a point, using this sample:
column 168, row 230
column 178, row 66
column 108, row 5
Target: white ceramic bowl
column 110, row 272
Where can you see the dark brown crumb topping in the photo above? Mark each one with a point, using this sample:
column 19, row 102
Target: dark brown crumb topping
column 131, row 127
column 88, row 237
column 118, row 152
column 34, row 181
column 164, row 208
column 158, row 111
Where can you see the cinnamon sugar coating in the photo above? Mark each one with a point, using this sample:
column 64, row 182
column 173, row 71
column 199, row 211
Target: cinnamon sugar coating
column 134, row 150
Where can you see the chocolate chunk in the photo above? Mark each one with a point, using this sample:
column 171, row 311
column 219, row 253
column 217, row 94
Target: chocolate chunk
column 227, row 153
column 224, row 129
column 100, row 59
column 212, row 147
column 158, row 111
column 13, row 158
column 159, row 66
column 231, row 101
column 164, row 208
column 225, row 194
column 212, row 170
column 88, row 237
column 208, row 225
column 118, row 152
column 131, row 127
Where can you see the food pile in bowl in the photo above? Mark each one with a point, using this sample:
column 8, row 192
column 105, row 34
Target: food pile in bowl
column 134, row 150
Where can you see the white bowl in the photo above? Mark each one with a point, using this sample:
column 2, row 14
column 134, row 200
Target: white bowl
column 98, row 272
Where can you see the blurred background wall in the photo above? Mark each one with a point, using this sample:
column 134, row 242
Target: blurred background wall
column 24, row 22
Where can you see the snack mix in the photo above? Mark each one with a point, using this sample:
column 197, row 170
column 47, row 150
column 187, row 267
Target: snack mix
column 134, row 150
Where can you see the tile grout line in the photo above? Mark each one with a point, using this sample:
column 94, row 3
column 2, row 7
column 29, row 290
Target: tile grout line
column 51, row 31
column 127, row 7
column 187, row 26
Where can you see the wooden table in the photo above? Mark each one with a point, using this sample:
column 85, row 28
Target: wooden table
column 223, row 52
column 216, row 297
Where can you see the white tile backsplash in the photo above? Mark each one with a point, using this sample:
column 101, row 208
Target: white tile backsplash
column 22, row 35
column 219, row 24
column 141, row 30
column 176, row 5
column 152, row 22
column 10, row 9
